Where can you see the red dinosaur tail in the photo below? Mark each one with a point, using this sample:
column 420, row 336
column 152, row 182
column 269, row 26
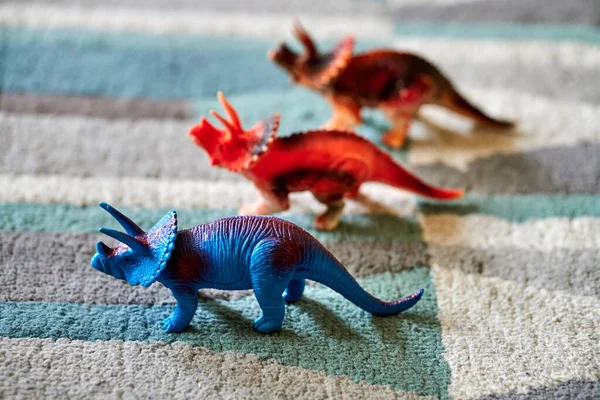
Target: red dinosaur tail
column 389, row 172
column 454, row 101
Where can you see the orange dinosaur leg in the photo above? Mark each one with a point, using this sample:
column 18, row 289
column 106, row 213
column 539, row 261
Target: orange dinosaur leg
column 396, row 136
column 346, row 114
column 403, row 107
column 268, row 203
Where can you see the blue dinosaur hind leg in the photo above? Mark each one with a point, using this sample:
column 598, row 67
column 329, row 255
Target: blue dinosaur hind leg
column 271, row 270
column 294, row 290
column 187, row 302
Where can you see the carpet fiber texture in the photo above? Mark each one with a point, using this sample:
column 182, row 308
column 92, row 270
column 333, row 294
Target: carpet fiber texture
column 96, row 101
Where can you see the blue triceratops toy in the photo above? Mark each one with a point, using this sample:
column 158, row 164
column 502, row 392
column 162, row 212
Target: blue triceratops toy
column 267, row 254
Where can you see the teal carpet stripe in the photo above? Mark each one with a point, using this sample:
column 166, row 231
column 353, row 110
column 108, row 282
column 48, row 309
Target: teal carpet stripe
column 71, row 218
column 501, row 31
column 130, row 65
column 322, row 332
column 117, row 65
column 519, row 208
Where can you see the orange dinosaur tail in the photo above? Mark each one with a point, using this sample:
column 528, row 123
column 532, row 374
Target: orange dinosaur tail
column 454, row 101
column 389, row 172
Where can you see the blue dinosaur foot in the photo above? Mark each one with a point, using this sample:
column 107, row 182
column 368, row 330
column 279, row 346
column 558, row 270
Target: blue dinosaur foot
column 266, row 326
column 172, row 325
column 294, row 290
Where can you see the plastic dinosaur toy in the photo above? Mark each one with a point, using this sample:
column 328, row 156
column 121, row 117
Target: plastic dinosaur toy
column 267, row 254
column 330, row 164
column 395, row 82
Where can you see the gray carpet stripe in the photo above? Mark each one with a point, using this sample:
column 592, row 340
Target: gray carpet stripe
column 582, row 12
column 567, row 170
column 81, row 146
column 572, row 271
column 72, row 146
column 103, row 107
column 55, row 268
column 75, row 369
column 578, row 390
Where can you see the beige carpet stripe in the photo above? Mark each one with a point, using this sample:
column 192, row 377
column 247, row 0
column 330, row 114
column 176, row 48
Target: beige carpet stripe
column 485, row 231
column 501, row 336
column 78, row 369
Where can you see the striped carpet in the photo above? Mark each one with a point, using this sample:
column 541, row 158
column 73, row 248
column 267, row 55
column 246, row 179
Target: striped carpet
column 96, row 100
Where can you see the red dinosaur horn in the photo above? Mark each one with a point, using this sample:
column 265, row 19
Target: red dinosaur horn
column 206, row 136
column 231, row 113
column 233, row 147
column 305, row 39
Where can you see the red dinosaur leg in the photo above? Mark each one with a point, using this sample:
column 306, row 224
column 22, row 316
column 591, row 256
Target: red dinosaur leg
column 346, row 114
column 354, row 194
column 268, row 203
column 329, row 220
column 351, row 173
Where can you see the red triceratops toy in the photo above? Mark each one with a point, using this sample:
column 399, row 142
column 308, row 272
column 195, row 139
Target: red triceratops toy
column 330, row 164
column 395, row 82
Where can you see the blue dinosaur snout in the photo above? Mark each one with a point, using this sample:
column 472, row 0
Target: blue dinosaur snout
column 104, row 265
column 97, row 262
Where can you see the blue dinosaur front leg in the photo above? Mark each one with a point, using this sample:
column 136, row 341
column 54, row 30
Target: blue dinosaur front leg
column 187, row 302
column 271, row 269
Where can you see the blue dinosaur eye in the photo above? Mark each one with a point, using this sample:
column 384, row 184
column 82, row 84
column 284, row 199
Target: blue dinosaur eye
column 128, row 259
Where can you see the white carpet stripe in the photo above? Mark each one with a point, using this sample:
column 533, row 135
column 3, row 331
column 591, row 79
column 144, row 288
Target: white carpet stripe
column 484, row 231
column 154, row 193
column 205, row 22
column 78, row 369
column 504, row 337
column 400, row 3
column 457, row 51
column 541, row 123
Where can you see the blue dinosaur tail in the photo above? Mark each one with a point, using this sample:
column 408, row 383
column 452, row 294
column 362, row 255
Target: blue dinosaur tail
column 326, row 269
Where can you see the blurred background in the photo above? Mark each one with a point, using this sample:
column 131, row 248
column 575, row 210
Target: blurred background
column 96, row 100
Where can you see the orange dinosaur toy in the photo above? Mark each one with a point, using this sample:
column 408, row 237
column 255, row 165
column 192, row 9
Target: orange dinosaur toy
column 395, row 82
column 330, row 164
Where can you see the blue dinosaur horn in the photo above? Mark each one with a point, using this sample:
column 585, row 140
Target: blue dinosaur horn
column 101, row 248
column 130, row 227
